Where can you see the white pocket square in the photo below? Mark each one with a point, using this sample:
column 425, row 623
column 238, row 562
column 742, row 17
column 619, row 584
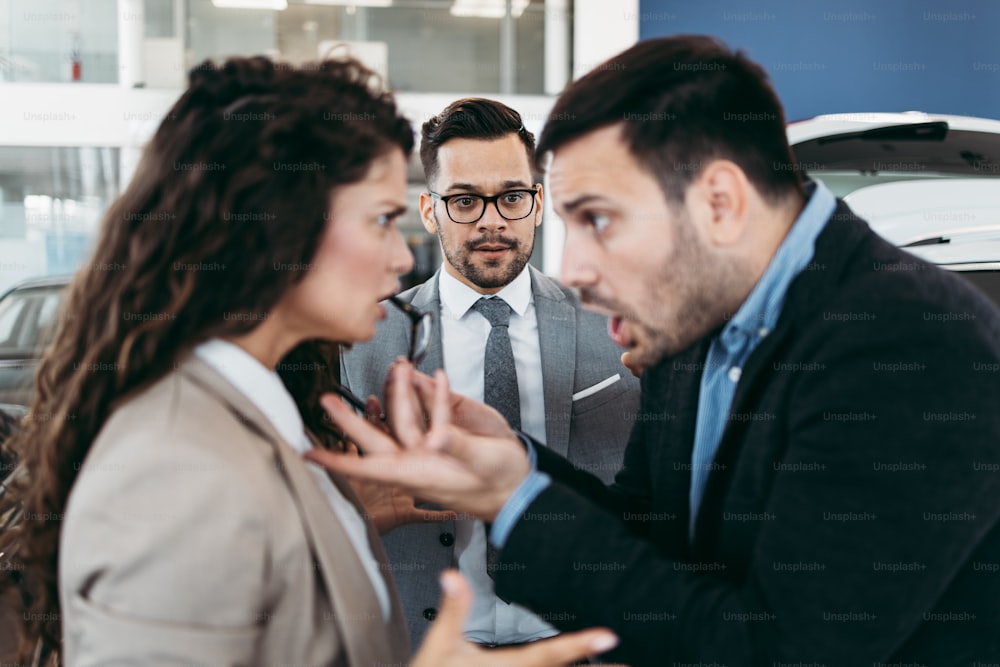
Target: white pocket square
column 593, row 389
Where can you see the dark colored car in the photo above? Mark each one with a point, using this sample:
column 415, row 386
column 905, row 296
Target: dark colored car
column 28, row 315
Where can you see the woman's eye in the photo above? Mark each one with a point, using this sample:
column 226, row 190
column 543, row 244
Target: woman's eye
column 384, row 220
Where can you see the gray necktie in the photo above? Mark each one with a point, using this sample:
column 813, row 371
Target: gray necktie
column 500, row 376
column 499, row 383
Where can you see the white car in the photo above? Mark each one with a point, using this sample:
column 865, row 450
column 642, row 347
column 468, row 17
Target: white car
column 928, row 183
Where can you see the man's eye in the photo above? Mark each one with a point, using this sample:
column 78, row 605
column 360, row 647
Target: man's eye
column 465, row 202
column 513, row 197
column 599, row 221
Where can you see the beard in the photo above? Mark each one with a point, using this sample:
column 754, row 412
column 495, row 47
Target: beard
column 691, row 295
column 489, row 274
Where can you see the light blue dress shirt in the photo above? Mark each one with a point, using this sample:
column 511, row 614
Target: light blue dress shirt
column 755, row 319
column 727, row 354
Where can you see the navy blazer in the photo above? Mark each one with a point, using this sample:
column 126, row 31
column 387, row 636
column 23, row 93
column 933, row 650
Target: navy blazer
column 852, row 513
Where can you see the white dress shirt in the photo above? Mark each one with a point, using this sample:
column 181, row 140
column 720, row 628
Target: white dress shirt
column 463, row 337
column 267, row 392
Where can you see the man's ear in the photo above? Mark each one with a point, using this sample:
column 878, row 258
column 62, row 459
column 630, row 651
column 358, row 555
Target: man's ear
column 539, row 205
column 427, row 212
column 722, row 193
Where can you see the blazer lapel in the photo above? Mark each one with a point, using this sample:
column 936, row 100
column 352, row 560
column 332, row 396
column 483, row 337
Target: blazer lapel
column 557, row 344
column 428, row 299
column 399, row 639
column 356, row 608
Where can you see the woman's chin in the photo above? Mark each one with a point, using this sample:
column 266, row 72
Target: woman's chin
column 364, row 335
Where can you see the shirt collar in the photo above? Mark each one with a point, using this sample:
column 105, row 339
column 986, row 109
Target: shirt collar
column 759, row 314
column 458, row 297
column 261, row 385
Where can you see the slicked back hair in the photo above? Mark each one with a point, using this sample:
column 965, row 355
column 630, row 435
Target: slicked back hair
column 471, row 118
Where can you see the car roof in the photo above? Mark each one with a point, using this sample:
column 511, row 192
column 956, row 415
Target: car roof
column 43, row 281
column 59, row 282
column 843, row 123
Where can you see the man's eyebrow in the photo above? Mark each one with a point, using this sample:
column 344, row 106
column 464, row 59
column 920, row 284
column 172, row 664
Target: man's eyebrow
column 397, row 211
column 573, row 204
column 504, row 185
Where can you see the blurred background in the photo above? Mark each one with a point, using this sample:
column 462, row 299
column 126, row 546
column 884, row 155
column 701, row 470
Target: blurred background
column 84, row 83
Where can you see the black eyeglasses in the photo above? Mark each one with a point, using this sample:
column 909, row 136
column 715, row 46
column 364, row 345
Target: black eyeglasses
column 466, row 208
column 420, row 341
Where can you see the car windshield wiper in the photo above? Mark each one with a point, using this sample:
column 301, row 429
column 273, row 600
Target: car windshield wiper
column 936, row 240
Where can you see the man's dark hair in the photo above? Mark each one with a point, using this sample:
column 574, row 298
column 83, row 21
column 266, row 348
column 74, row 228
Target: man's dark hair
column 471, row 118
column 683, row 101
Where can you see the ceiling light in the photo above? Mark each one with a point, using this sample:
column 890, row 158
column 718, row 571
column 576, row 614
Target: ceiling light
column 488, row 9
column 351, row 3
column 276, row 5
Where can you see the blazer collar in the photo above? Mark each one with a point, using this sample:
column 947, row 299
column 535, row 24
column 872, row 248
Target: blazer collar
column 355, row 606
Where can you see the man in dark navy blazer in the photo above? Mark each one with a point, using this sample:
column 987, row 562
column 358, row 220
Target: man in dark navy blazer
column 812, row 476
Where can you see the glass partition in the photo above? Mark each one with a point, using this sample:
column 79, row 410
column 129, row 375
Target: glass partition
column 51, row 203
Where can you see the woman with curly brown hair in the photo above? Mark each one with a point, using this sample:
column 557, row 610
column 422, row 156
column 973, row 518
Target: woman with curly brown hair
column 167, row 516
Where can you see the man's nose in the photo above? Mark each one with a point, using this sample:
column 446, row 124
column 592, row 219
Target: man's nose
column 491, row 218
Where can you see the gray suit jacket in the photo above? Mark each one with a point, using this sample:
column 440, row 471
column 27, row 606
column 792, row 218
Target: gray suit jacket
column 195, row 535
column 591, row 432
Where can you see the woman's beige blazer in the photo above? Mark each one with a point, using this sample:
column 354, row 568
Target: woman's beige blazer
column 194, row 535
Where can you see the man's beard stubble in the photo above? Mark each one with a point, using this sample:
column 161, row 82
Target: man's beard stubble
column 701, row 286
column 462, row 259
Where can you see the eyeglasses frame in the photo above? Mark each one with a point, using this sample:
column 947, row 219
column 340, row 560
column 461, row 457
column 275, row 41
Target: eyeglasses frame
column 486, row 202
column 418, row 319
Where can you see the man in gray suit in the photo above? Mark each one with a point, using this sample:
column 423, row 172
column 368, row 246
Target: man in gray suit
column 572, row 392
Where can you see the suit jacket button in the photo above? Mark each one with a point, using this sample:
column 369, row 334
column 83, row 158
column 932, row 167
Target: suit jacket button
column 430, row 613
column 446, row 539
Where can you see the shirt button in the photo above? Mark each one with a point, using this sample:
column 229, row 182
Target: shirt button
column 430, row 613
column 446, row 539
column 763, row 331
column 734, row 373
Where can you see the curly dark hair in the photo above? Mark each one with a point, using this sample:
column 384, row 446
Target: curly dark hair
column 237, row 178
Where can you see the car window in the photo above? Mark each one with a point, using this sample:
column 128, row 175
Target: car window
column 27, row 319
column 45, row 322
column 11, row 311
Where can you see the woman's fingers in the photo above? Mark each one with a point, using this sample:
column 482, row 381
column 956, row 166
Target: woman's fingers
column 406, row 415
column 433, row 516
column 439, row 435
column 445, row 636
column 358, row 429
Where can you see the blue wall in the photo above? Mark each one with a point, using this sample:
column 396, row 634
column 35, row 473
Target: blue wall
column 827, row 56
